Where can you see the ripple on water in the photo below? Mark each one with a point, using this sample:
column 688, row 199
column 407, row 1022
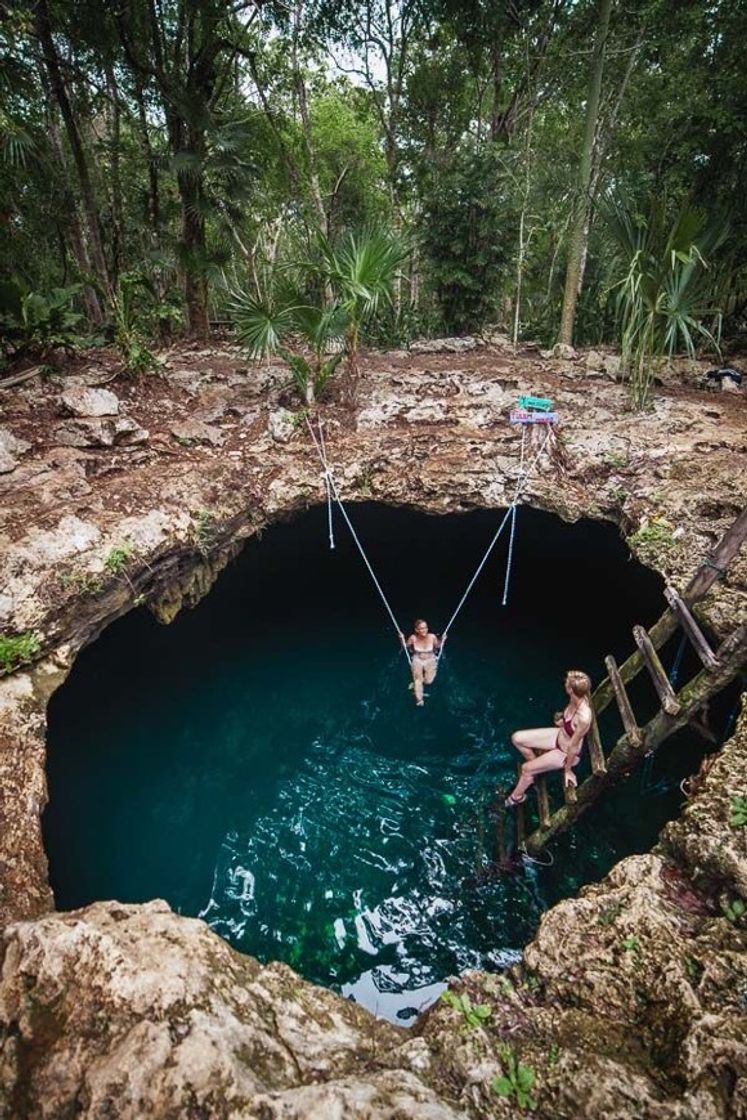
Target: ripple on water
column 361, row 857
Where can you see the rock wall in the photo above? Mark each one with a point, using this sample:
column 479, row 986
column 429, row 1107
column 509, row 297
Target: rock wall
column 631, row 1001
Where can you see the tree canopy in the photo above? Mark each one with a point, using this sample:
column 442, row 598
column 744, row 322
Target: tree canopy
column 154, row 156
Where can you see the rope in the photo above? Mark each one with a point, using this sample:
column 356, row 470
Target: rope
column 328, row 488
column 332, row 491
column 677, row 664
column 354, row 535
column 510, row 555
column 521, row 482
column 531, row 859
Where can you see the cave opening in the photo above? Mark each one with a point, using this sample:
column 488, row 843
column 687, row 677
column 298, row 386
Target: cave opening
column 260, row 762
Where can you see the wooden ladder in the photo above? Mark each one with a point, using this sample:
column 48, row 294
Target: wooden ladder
column 719, row 669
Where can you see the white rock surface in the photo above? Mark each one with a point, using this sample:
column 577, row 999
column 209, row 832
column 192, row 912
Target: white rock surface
column 12, row 443
column 90, row 402
column 443, row 345
column 280, row 425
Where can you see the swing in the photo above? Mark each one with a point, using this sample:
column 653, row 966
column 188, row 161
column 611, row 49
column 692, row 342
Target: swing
column 333, row 494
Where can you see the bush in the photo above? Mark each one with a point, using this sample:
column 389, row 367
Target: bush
column 37, row 321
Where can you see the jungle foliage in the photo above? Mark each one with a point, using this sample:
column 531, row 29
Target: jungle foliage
column 158, row 160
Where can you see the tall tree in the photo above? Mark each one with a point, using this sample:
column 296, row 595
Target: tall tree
column 59, row 90
column 186, row 49
column 579, row 231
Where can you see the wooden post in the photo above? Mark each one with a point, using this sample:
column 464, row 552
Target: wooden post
column 543, row 801
column 664, row 690
column 691, row 628
column 623, row 703
column 596, row 754
column 725, row 551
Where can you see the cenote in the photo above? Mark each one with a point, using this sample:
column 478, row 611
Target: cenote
column 260, row 762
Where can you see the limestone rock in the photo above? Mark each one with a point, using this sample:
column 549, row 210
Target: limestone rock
column 612, row 365
column 280, row 425
column 12, row 444
column 100, row 432
column 445, row 345
column 10, row 448
column 197, row 431
column 188, row 379
column 593, row 360
column 564, row 352
column 131, row 1011
column 7, row 462
column 90, row 402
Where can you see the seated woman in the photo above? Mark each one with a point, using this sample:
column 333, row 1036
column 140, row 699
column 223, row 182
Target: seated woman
column 424, row 646
column 559, row 747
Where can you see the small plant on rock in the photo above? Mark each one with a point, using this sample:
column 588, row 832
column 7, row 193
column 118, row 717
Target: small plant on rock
column 17, row 650
column 734, row 910
column 85, row 583
column 474, row 1014
column 516, row 1080
column 118, row 559
column 653, row 538
column 738, row 812
column 631, row 944
column 204, row 531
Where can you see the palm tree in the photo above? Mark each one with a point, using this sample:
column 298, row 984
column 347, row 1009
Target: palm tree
column 361, row 270
column 360, row 273
column 661, row 297
column 264, row 323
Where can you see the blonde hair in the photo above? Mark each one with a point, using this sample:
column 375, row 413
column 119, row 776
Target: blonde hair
column 417, row 623
column 580, row 683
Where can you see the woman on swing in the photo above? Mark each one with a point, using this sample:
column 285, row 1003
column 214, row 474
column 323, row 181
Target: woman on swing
column 423, row 646
column 558, row 747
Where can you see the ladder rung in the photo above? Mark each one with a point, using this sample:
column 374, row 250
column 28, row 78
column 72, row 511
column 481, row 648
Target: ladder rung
column 669, row 701
column 596, row 754
column 632, row 730
column 543, row 801
column 691, row 628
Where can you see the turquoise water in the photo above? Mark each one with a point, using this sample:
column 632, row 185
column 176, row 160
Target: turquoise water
column 261, row 763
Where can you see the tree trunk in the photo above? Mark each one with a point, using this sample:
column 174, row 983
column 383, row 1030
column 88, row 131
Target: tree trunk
column 154, row 201
column 94, row 311
column 52, row 63
column 580, row 232
column 115, row 139
column 193, row 244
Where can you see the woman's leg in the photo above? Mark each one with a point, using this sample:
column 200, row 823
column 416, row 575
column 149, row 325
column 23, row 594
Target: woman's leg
column 529, row 742
column 417, row 676
column 549, row 760
column 429, row 670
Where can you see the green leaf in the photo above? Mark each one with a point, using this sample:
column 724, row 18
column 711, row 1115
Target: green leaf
column 526, row 1077
column 502, row 1086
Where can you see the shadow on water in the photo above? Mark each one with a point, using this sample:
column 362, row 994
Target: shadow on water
column 261, row 763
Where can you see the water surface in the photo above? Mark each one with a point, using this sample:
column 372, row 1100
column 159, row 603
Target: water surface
column 261, row 763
